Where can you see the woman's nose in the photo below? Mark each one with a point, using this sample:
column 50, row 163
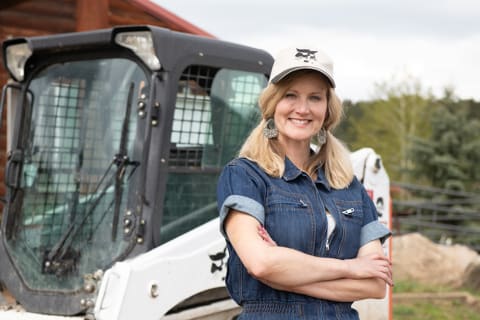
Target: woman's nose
column 302, row 106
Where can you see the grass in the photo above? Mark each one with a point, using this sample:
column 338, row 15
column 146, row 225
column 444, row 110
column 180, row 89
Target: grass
column 409, row 286
column 440, row 310
column 431, row 309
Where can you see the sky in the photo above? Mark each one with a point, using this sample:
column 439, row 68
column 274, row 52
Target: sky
column 372, row 42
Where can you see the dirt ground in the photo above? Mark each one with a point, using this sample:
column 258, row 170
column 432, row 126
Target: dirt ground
column 417, row 258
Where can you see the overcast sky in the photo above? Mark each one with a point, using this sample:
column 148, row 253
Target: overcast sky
column 371, row 41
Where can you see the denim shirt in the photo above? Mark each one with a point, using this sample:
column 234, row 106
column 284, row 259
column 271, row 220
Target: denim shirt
column 292, row 210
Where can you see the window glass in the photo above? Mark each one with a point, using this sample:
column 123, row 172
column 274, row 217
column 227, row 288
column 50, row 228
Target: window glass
column 215, row 111
column 71, row 185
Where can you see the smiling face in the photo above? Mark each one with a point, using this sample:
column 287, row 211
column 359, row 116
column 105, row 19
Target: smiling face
column 300, row 113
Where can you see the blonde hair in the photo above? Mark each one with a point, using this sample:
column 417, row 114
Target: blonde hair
column 268, row 154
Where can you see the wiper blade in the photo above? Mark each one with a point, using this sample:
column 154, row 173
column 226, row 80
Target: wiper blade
column 121, row 160
column 57, row 253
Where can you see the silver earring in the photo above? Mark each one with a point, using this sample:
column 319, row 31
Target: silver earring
column 321, row 137
column 269, row 131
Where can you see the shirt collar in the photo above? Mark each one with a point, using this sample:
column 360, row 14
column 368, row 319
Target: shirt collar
column 292, row 172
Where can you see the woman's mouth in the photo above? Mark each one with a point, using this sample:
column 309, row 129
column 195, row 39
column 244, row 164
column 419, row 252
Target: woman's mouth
column 300, row 122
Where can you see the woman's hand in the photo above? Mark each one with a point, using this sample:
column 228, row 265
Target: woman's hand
column 372, row 265
column 262, row 232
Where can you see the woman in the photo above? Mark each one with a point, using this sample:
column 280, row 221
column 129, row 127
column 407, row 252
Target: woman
column 302, row 233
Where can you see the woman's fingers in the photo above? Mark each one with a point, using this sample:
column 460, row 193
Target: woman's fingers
column 265, row 236
column 386, row 274
column 372, row 266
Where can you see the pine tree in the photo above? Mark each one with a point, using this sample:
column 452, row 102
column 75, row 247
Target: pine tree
column 449, row 156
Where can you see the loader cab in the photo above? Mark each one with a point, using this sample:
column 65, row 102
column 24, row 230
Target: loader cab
column 116, row 140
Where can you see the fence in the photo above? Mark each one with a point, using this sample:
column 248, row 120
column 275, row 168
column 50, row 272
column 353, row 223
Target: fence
column 445, row 216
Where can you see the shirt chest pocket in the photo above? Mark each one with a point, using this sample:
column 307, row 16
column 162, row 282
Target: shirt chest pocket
column 350, row 211
column 289, row 220
column 288, row 203
column 351, row 219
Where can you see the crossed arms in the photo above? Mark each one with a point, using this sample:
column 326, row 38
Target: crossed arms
column 290, row 270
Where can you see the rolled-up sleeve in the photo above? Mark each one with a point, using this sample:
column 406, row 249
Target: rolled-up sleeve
column 239, row 189
column 372, row 228
column 373, row 231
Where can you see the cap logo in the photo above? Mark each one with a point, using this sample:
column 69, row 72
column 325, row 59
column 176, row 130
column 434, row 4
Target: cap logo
column 306, row 54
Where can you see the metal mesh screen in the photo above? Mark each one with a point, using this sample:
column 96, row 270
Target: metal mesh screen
column 192, row 126
column 215, row 110
column 64, row 211
column 64, row 162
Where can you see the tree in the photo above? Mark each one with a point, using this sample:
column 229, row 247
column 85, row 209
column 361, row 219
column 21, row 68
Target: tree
column 387, row 123
column 448, row 158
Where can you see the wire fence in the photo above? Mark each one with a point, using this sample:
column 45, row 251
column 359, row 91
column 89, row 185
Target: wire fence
column 444, row 216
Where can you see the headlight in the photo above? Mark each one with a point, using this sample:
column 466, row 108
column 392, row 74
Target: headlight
column 16, row 55
column 141, row 43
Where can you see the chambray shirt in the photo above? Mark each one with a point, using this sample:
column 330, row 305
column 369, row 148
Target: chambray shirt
column 292, row 210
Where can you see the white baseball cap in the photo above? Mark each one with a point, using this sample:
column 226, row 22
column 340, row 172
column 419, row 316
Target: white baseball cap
column 301, row 57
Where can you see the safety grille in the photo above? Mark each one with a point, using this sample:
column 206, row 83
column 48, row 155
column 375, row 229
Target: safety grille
column 192, row 119
column 214, row 112
column 65, row 216
column 64, row 164
column 77, row 126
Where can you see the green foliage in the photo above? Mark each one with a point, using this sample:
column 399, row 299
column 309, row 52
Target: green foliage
column 448, row 158
column 387, row 123
column 422, row 139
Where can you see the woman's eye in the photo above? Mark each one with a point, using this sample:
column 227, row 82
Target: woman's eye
column 290, row 95
column 316, row 98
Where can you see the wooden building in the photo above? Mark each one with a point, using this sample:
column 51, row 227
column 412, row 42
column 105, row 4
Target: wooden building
column 26, row 18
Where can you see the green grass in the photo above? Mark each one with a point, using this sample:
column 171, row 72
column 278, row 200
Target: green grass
column 409, row 286
column 433, row 310
column 441, row 310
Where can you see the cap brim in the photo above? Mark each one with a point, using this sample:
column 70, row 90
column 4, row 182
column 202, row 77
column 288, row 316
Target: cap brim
column 286, row 72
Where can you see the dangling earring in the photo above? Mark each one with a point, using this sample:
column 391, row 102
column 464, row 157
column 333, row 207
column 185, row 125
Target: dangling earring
column 321, row 137
column 269, row 131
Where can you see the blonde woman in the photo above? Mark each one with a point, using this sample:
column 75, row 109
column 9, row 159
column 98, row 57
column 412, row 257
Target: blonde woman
column 303, row 236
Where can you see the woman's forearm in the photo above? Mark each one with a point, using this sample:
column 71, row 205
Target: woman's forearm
column 340, row 290
column 291, row 268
